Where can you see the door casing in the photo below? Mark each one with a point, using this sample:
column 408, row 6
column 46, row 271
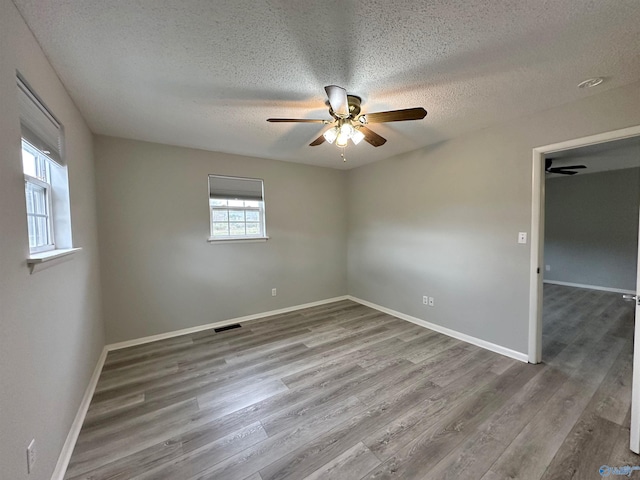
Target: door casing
column 537, row 261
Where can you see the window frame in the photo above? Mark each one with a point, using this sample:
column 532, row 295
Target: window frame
column 51, row 243
column 244, row 209
column 42, row 137
column 228, row 207
column 42, row 180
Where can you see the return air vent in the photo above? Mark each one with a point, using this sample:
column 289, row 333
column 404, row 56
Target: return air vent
column 227, row 327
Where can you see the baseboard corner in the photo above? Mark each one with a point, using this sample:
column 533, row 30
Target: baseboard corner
column 507, row 352
column 222, row 323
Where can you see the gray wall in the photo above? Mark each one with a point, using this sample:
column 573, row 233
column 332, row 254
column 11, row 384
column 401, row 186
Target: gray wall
column 591, row 228
column 440, row 221
column 443, row 221
column 160, row 274
column 52, row 331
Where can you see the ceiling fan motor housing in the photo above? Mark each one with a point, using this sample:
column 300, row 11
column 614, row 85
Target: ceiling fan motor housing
column 354, row 107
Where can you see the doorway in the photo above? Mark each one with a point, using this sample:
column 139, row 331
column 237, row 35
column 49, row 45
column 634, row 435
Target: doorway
column 538, row 267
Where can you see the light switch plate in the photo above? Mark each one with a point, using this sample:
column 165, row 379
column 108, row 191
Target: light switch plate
column 522, row 237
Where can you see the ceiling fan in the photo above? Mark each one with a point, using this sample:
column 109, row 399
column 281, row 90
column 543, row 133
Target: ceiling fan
column 348, row 122
column 568, row 170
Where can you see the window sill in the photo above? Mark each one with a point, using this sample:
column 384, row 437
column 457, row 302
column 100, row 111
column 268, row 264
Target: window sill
column 213, row 240
column 38, row 258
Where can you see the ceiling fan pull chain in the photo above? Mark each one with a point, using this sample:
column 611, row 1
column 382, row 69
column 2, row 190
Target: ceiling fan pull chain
column 344, row 159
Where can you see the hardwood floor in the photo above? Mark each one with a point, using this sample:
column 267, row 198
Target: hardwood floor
column 342, row 391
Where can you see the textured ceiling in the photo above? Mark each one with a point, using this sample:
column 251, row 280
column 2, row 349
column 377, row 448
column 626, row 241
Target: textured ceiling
column 207, row 74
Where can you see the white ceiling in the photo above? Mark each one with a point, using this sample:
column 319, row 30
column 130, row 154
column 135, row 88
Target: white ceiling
column 207, row 74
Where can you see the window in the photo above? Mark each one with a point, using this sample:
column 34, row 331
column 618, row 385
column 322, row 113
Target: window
column 45, row 175
column 37, row 181
column 236, row 208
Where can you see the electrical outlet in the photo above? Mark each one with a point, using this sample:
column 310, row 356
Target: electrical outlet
column 522, row 237
column 431, row 301
column 31, row 455
column 273, row 292
column 425, row 300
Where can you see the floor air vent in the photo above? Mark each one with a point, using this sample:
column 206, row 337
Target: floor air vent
column 228, row 327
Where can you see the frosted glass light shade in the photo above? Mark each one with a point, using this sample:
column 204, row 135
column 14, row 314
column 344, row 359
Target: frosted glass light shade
column 331, row 134
column 357, row 136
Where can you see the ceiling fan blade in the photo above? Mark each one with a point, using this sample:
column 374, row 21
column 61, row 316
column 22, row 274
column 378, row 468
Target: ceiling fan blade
column 318, row 141
column 372, row 137
column 417, row 113
column 296, row 120
column 560, row 171
column 338, row 100
column 572, row 167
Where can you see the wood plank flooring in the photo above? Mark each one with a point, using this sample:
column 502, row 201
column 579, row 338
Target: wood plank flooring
column 341, row 391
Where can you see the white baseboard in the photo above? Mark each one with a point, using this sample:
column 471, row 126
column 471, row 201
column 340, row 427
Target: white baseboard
column 507, row 352
column 222, row 323
column 72, row 437
column 76, row 426
column 590, row 287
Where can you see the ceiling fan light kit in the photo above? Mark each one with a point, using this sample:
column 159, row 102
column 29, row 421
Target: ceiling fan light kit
column 341, row 134
column 349, row 124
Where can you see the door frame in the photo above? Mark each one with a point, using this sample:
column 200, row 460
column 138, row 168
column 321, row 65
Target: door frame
column 537, row 227
column 537, row 262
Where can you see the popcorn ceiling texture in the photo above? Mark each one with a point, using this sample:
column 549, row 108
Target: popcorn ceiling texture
column 208, row 74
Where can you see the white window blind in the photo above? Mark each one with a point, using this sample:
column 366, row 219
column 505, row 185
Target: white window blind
column 39, row 127
column 235, row 188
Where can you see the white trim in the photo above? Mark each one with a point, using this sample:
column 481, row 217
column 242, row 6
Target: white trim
column 72, row 437
column 537, row 227
column 634, row 437
column 222, row 323
column 634, row 434
column 591, row 140
column 76, row 426
column 537, row 258
column 590, row 287
column 43, row 257
column 213, row 240
column 507, row 352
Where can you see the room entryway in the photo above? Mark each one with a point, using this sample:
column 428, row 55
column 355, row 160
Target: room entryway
column 588, row 339
column 585, row 249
